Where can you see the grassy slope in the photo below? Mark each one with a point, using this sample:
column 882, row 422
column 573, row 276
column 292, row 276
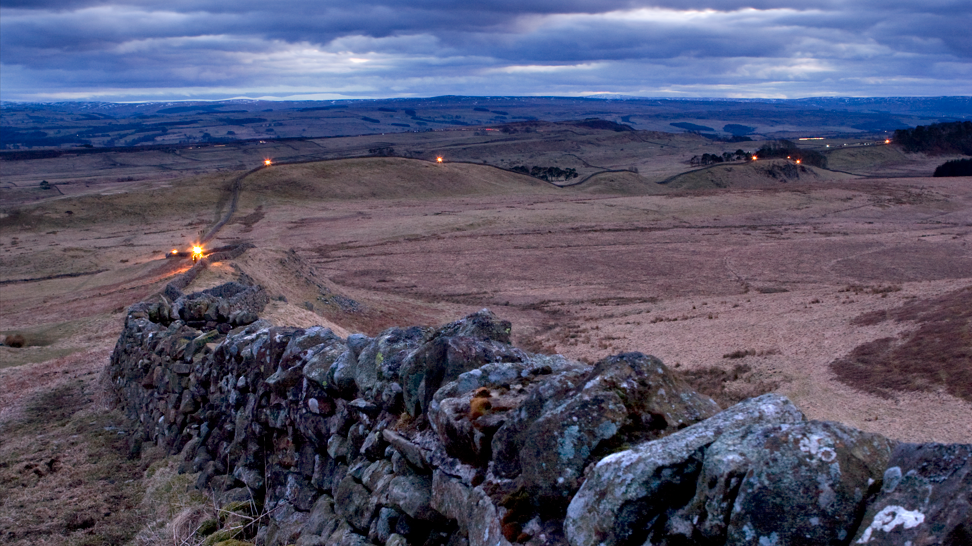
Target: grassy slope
column 749, row 175
column 384, row 178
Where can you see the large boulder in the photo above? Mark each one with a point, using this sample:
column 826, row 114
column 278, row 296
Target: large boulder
column 574, row 420
column 628, row 492
column 806, row 483
column 925, row 498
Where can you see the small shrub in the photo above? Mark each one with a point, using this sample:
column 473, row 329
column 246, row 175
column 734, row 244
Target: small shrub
column 15, row 340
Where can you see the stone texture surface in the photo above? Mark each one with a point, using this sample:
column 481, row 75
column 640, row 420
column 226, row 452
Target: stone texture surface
column 925, row 498
column 806, row 484
column 451, row 436
column 629, row 492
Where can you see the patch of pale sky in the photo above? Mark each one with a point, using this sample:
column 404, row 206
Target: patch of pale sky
column 415, row 43
column 538, row 68
column 679, row 17
column 782, row 69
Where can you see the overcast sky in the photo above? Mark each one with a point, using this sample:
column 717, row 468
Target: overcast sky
column 123, row 50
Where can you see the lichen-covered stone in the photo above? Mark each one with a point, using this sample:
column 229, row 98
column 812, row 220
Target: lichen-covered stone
column 806, row 484
column 572, row 420
column 628, row 490
column 925, row 498
column 382, row 358
column 408, row 494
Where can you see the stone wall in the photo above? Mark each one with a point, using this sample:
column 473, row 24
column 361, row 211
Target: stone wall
column 452, row 436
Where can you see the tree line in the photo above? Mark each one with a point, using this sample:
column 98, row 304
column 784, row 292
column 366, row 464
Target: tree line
column 938, row 138
column 957, row 167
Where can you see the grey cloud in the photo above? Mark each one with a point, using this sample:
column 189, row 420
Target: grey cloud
column 201, row 44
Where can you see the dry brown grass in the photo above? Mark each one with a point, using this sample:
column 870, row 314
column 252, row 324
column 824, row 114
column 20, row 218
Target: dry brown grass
column 64, row 471
column 382, row 178
column 937, row 355
column 728, row 386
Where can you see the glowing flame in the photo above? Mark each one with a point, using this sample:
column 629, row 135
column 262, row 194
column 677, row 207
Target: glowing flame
column 175, row 251
column 887, row 141
column 798, row 161
column 267, row 162
column 197, row 253
column 754, row 158
column 438, row 159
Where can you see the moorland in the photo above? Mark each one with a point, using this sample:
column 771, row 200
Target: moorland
column 845, row 287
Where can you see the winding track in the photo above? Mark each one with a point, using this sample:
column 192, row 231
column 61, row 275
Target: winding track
column 234, row 199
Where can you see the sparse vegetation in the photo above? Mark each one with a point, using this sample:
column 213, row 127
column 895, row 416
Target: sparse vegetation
column 64, row 475
column 858, row 289
column 728, row 386
column 594, row 262
column 382, row 151
column 937, row 355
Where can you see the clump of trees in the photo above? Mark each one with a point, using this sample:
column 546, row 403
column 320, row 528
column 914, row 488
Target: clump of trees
column 550, row 174
column 937, row 138
column 957, row 167
column 787, row 149
column 725, row 157
column 779, row 149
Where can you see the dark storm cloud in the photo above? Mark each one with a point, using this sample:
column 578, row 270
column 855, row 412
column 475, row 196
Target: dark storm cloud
column 210, row 49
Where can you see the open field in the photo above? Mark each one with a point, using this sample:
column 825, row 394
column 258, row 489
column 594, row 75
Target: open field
column 743, row 280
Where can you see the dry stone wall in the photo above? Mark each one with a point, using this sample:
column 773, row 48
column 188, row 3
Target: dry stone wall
column 453, row 436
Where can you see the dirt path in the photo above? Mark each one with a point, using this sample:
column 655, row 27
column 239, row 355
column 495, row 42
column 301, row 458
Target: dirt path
column 234, row 199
